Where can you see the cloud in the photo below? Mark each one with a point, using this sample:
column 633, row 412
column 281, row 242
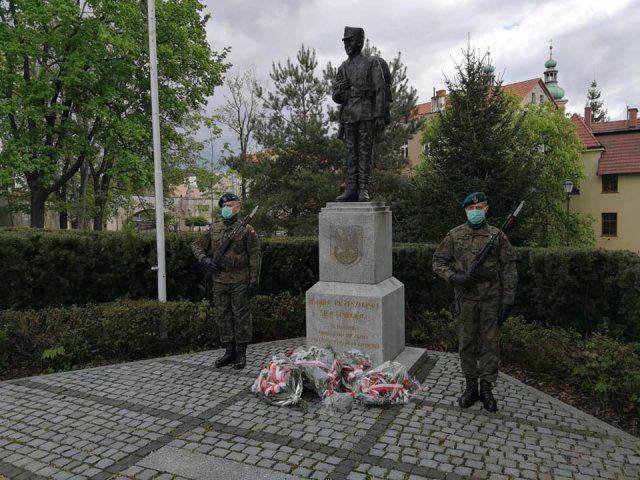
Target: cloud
column 591, row 39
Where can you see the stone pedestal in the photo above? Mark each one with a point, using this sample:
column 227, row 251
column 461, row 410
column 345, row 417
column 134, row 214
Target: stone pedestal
column 358, row 303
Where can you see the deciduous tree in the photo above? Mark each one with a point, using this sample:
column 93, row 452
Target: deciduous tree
column 74, row 86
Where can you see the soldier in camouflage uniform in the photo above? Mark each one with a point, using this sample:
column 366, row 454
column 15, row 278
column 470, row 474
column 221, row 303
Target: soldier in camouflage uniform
column 235, row 278
column 484, row 300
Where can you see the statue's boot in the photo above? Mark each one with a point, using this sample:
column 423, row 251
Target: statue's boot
column 349, row 195
column 363, row 193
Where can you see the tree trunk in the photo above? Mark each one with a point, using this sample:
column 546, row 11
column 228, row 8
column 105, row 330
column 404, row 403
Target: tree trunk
column 64, row 214
column 98, row 218
column 101, row 184
column 38, row 198
column 84, row 177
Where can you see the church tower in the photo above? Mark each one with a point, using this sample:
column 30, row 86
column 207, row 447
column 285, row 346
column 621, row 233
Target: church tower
column 551, row 79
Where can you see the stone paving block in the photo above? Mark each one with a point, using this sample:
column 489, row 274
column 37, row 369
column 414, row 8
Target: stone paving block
column 114, row 416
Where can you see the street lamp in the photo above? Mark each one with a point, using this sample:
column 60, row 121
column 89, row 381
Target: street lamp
column 568, row 188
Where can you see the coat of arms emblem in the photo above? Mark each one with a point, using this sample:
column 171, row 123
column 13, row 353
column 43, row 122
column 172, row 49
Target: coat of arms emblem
column 346, row 243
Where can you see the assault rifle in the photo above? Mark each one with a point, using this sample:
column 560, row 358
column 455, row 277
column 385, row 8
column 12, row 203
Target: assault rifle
column 482, row 255
column 217, row 257
column 476, row 270
column 205, row 283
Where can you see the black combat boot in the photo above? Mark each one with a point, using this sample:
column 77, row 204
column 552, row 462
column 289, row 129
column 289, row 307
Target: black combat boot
column 487, row 397
column 241, row 356
column 470, row 394
column 229, row 355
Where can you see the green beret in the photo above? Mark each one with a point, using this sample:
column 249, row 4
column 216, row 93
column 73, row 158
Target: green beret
column 473, row 198
column 227, row 197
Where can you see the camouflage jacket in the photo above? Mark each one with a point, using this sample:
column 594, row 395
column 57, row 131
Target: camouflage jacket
column 364, row 99
column 459, row 248
column 244, row 251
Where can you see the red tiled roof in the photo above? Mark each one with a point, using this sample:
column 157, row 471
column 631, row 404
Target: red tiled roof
column 598, row 127
column 621, row 152
column 422, row 109
column 521, row 88
column 584, row 133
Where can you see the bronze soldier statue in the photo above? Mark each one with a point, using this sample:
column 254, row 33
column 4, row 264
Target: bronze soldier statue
column 236, row 273
column 360, row 90
column 484, row 298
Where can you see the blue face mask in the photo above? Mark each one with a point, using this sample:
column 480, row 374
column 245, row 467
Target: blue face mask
column 227, row 212
column 475, row 217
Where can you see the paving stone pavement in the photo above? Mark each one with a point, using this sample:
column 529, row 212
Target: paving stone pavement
column 181, row 418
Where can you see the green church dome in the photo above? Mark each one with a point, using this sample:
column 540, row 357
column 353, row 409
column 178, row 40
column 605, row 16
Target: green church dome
column 551, row 63
column 556, row 91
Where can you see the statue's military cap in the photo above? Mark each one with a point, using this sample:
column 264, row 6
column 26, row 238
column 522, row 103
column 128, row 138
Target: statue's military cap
column 228, row 197
column 473, row 198
column 352, row 32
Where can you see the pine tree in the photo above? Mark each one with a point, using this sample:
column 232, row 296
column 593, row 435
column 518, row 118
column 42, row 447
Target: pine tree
column 299, row 168
column 469, row 145
column 598, row 113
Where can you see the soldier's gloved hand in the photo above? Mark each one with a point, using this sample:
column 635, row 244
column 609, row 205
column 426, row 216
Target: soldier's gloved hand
column 226, row 264
column 463, row 279
column 379, row 124
column 485, row 274
column 253, row 289
column 210, row 265
column 503, row 313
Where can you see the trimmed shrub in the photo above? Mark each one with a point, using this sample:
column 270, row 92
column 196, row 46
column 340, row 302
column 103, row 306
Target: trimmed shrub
column 278, row 317
column 544, row 350
column 64, row 338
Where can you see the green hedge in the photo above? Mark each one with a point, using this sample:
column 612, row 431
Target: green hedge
column 63, row 338
column 584, row 289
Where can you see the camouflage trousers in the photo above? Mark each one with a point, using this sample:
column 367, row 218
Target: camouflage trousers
column 231, row 302
column 479, row 338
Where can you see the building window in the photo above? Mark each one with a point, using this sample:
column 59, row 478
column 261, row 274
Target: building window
column 405, row 151
column 609, row 224
column 541, row 98
column 610, row 183
column 533, row 97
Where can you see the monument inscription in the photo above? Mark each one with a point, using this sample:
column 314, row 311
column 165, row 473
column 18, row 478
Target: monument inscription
column 344, row 322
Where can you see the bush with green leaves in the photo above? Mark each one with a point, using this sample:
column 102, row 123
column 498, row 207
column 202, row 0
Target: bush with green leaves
column 68, row 337
column 550, row 350
column 197, row 221
column 611, row 371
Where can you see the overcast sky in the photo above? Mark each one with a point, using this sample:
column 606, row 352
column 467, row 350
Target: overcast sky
column 592, row 39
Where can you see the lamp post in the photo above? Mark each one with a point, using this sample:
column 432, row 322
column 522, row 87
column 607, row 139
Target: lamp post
column 568, row 188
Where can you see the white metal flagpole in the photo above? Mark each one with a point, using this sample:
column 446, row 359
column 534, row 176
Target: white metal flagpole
column 157, row 159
